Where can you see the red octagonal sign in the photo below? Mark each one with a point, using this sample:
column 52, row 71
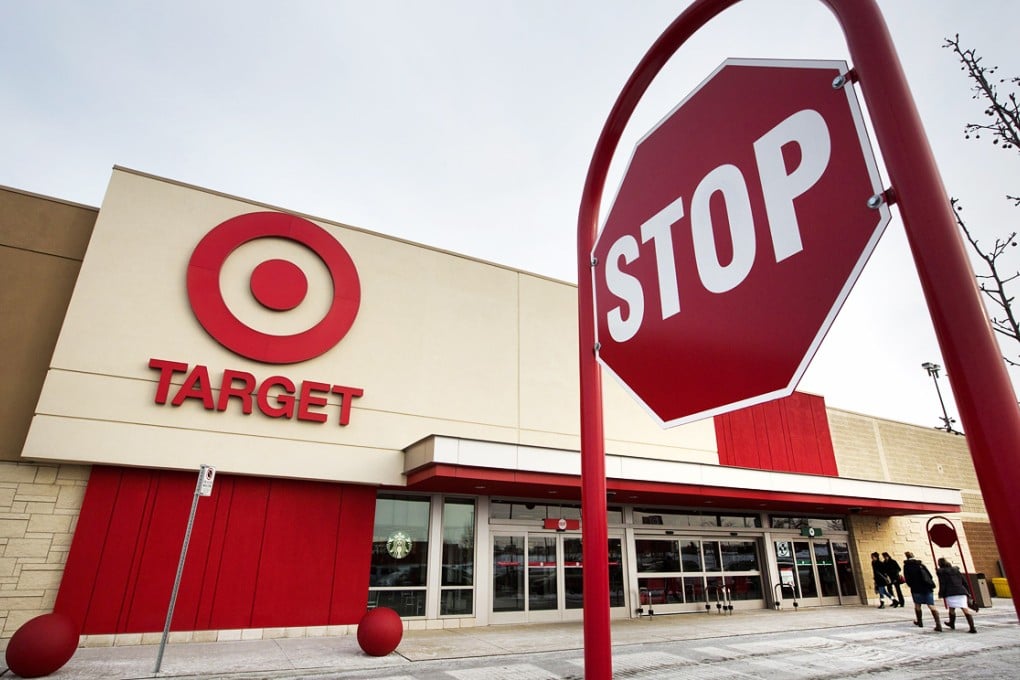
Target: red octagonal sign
column 741, row 224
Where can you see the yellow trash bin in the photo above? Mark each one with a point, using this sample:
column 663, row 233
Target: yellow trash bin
column 1001, row 586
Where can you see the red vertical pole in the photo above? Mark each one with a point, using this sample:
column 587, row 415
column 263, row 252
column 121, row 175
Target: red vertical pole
column 598, row 660
column 981, row 385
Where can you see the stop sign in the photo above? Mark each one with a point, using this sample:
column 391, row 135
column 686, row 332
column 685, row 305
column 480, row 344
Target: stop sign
column 738, row 230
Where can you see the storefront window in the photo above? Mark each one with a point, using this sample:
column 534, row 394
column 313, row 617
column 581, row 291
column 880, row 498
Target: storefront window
column 694, row 520
column 672, row 519
column 508, row 573
column 400, row 550
column 744, row 587
column 805, row 574
column 665, row 590
column 712, row 562
column 457, row 593
column 690, row 554
column 503, row 510
column 713, row 571
column 844, row 570
column 740, row 521
column 739, row 556
column 657, row 555
column 542, row 581
column 785, row 522
column 573, row 576
column 616, row 572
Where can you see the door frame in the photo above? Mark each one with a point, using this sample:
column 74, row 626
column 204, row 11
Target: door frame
column 714, row 597
column 560, row 613
column 818, row 600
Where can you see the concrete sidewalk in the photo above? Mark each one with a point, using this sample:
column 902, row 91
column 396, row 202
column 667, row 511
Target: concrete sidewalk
column 339, row 656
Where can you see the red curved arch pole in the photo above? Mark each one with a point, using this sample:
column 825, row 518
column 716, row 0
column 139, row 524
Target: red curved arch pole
column 984, row 394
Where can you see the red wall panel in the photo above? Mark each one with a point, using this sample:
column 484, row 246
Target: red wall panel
column 785, row 435
column 263, row 553
column 357, row 519
column 241, row 549
column 158, row 545
column 299, row 531
column 87, row 545
column 116, row 567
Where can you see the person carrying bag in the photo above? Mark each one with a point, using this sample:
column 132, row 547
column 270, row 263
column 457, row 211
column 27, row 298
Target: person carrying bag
column 955, row 592
column 922, row 588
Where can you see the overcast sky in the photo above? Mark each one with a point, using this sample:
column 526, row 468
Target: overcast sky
column 468, row 125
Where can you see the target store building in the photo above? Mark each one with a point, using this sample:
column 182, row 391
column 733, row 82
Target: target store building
column 391, row 425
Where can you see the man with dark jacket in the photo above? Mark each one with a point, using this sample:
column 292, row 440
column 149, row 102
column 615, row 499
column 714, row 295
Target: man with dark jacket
column 891, row 568
column 922, row 587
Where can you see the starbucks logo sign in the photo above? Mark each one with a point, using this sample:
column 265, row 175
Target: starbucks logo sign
column 398, row 545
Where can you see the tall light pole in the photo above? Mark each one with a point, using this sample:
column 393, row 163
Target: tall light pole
column 947, row 422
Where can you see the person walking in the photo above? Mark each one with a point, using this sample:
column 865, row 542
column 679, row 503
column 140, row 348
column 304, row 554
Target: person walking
column 892, row 569
column 922, row 587
column 881, row 581
column 955, row 592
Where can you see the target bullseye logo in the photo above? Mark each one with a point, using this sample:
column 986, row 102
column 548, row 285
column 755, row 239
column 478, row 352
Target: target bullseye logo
column 276, row 284
column 279, row 284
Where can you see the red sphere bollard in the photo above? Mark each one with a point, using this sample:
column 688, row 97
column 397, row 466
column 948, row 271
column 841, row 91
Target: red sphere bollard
column 379, row 631
column 42, row 645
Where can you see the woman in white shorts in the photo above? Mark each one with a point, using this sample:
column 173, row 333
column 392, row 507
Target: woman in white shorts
column 955, row 592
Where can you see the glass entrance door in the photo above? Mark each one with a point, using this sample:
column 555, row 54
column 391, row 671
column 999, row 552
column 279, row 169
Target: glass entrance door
column 542, row 567
column 538, row 576
column 816, row 572
column 689, row 574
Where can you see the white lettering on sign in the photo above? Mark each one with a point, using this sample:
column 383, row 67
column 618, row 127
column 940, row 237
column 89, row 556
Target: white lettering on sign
column 625, row 287
column 806, row 129
column 716, row 277
column 658, row 230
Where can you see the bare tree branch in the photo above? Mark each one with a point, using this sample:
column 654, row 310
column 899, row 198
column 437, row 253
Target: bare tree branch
column 1003, row 113
column 994, row 284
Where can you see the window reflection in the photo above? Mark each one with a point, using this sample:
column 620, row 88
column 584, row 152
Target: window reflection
column 657, row 555
column 686, row 520
column 712, row 571
column 526, row 510
column 400, row 542
column 458, row 557
column 400, row 554
column 825, row 523
column 458, row 542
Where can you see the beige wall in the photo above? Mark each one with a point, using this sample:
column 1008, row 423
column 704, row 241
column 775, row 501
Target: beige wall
column 871, row 448
column 42, row 242
column 442, row 344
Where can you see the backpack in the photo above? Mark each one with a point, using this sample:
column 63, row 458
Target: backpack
column 928, row 580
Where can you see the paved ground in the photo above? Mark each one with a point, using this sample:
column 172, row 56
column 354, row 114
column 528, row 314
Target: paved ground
column 844, row 642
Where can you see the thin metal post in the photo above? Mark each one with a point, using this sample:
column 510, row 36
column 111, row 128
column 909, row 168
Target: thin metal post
column 180, row 569
column 947, row 422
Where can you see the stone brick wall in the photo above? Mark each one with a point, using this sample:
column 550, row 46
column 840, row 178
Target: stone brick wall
column 985, row 553
column 857, row 446
column 883, row 450
column 39, row 506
